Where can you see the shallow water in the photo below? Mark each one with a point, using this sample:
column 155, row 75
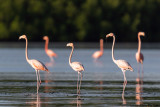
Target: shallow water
column 102, row 83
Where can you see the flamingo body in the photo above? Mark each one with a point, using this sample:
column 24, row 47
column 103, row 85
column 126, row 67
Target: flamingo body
column 50, row 53
column 77, row 66
column 97, row 54
column 139, row 57
column 124, row 65
column 37, row 65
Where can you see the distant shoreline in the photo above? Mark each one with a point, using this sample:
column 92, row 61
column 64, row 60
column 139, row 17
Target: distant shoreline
column 79, row 45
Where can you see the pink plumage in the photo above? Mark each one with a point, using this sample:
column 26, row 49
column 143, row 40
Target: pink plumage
column 37, row 65
column 49, row 52
column 139, row 55
column 98, row 54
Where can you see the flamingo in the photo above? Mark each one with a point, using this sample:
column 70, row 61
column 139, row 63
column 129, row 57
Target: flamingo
column 77, row 66
column 37, row 65
column 98, row 54
column 49, row 52
column 139, row 55
column 122, row 64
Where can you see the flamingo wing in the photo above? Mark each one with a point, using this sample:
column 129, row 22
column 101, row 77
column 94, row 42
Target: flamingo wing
column 51, row 53
column 124, row 65
column 142, row 57
column 38, row 65
column 77, row 66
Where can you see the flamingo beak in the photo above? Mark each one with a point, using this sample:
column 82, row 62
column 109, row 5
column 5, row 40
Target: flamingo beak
column 144, row 35
column 107, row 36
column 20, row 37
column 68, row 44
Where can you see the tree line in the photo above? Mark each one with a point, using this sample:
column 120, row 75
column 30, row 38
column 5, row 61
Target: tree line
column 79, row 20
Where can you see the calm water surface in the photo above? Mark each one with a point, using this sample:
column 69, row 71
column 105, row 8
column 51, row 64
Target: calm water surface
column 102, row 83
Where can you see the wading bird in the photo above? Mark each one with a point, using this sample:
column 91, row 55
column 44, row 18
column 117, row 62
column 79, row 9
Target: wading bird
column 37, row 65
column 98, row 54
column 49, row 52
column 77, row 66
column 139, row 55
column 122, row 64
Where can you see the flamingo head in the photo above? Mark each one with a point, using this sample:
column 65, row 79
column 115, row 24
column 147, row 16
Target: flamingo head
column 45, row 37
column 23, row 37
column 141, row 33
column 109, row 35
column 69, row 44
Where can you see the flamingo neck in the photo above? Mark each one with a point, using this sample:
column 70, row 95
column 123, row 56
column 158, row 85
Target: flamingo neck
column 101, row 45
column 71, row 55
column 139, row 44
column 113, row 50
column 27, row 50
column 46, row 45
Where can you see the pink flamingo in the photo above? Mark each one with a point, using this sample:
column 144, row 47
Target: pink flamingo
column 49, row 52
column 98, row 54
column 77, row 66
column 122, row 64
column 139, row 55
column 37, row 65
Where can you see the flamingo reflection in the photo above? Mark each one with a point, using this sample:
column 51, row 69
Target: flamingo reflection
column 47, row 81
column 77, row 101
column 49, row 64
column 100, row 87
column 139, row 89
column 123, row 99
column 36, row 102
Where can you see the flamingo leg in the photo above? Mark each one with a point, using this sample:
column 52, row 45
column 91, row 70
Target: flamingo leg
column 37, row 81
column 125, row 80
column 39, row 77
column 80, row 83
column 77, row 82
column 138, row 68
column 51, row 58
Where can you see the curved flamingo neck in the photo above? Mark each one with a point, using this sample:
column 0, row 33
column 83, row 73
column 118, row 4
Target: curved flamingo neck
column 101, row 45
column 113, row 50
column 71, row 55
column 46, row 44
column 27, row 50
column 139, row 44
